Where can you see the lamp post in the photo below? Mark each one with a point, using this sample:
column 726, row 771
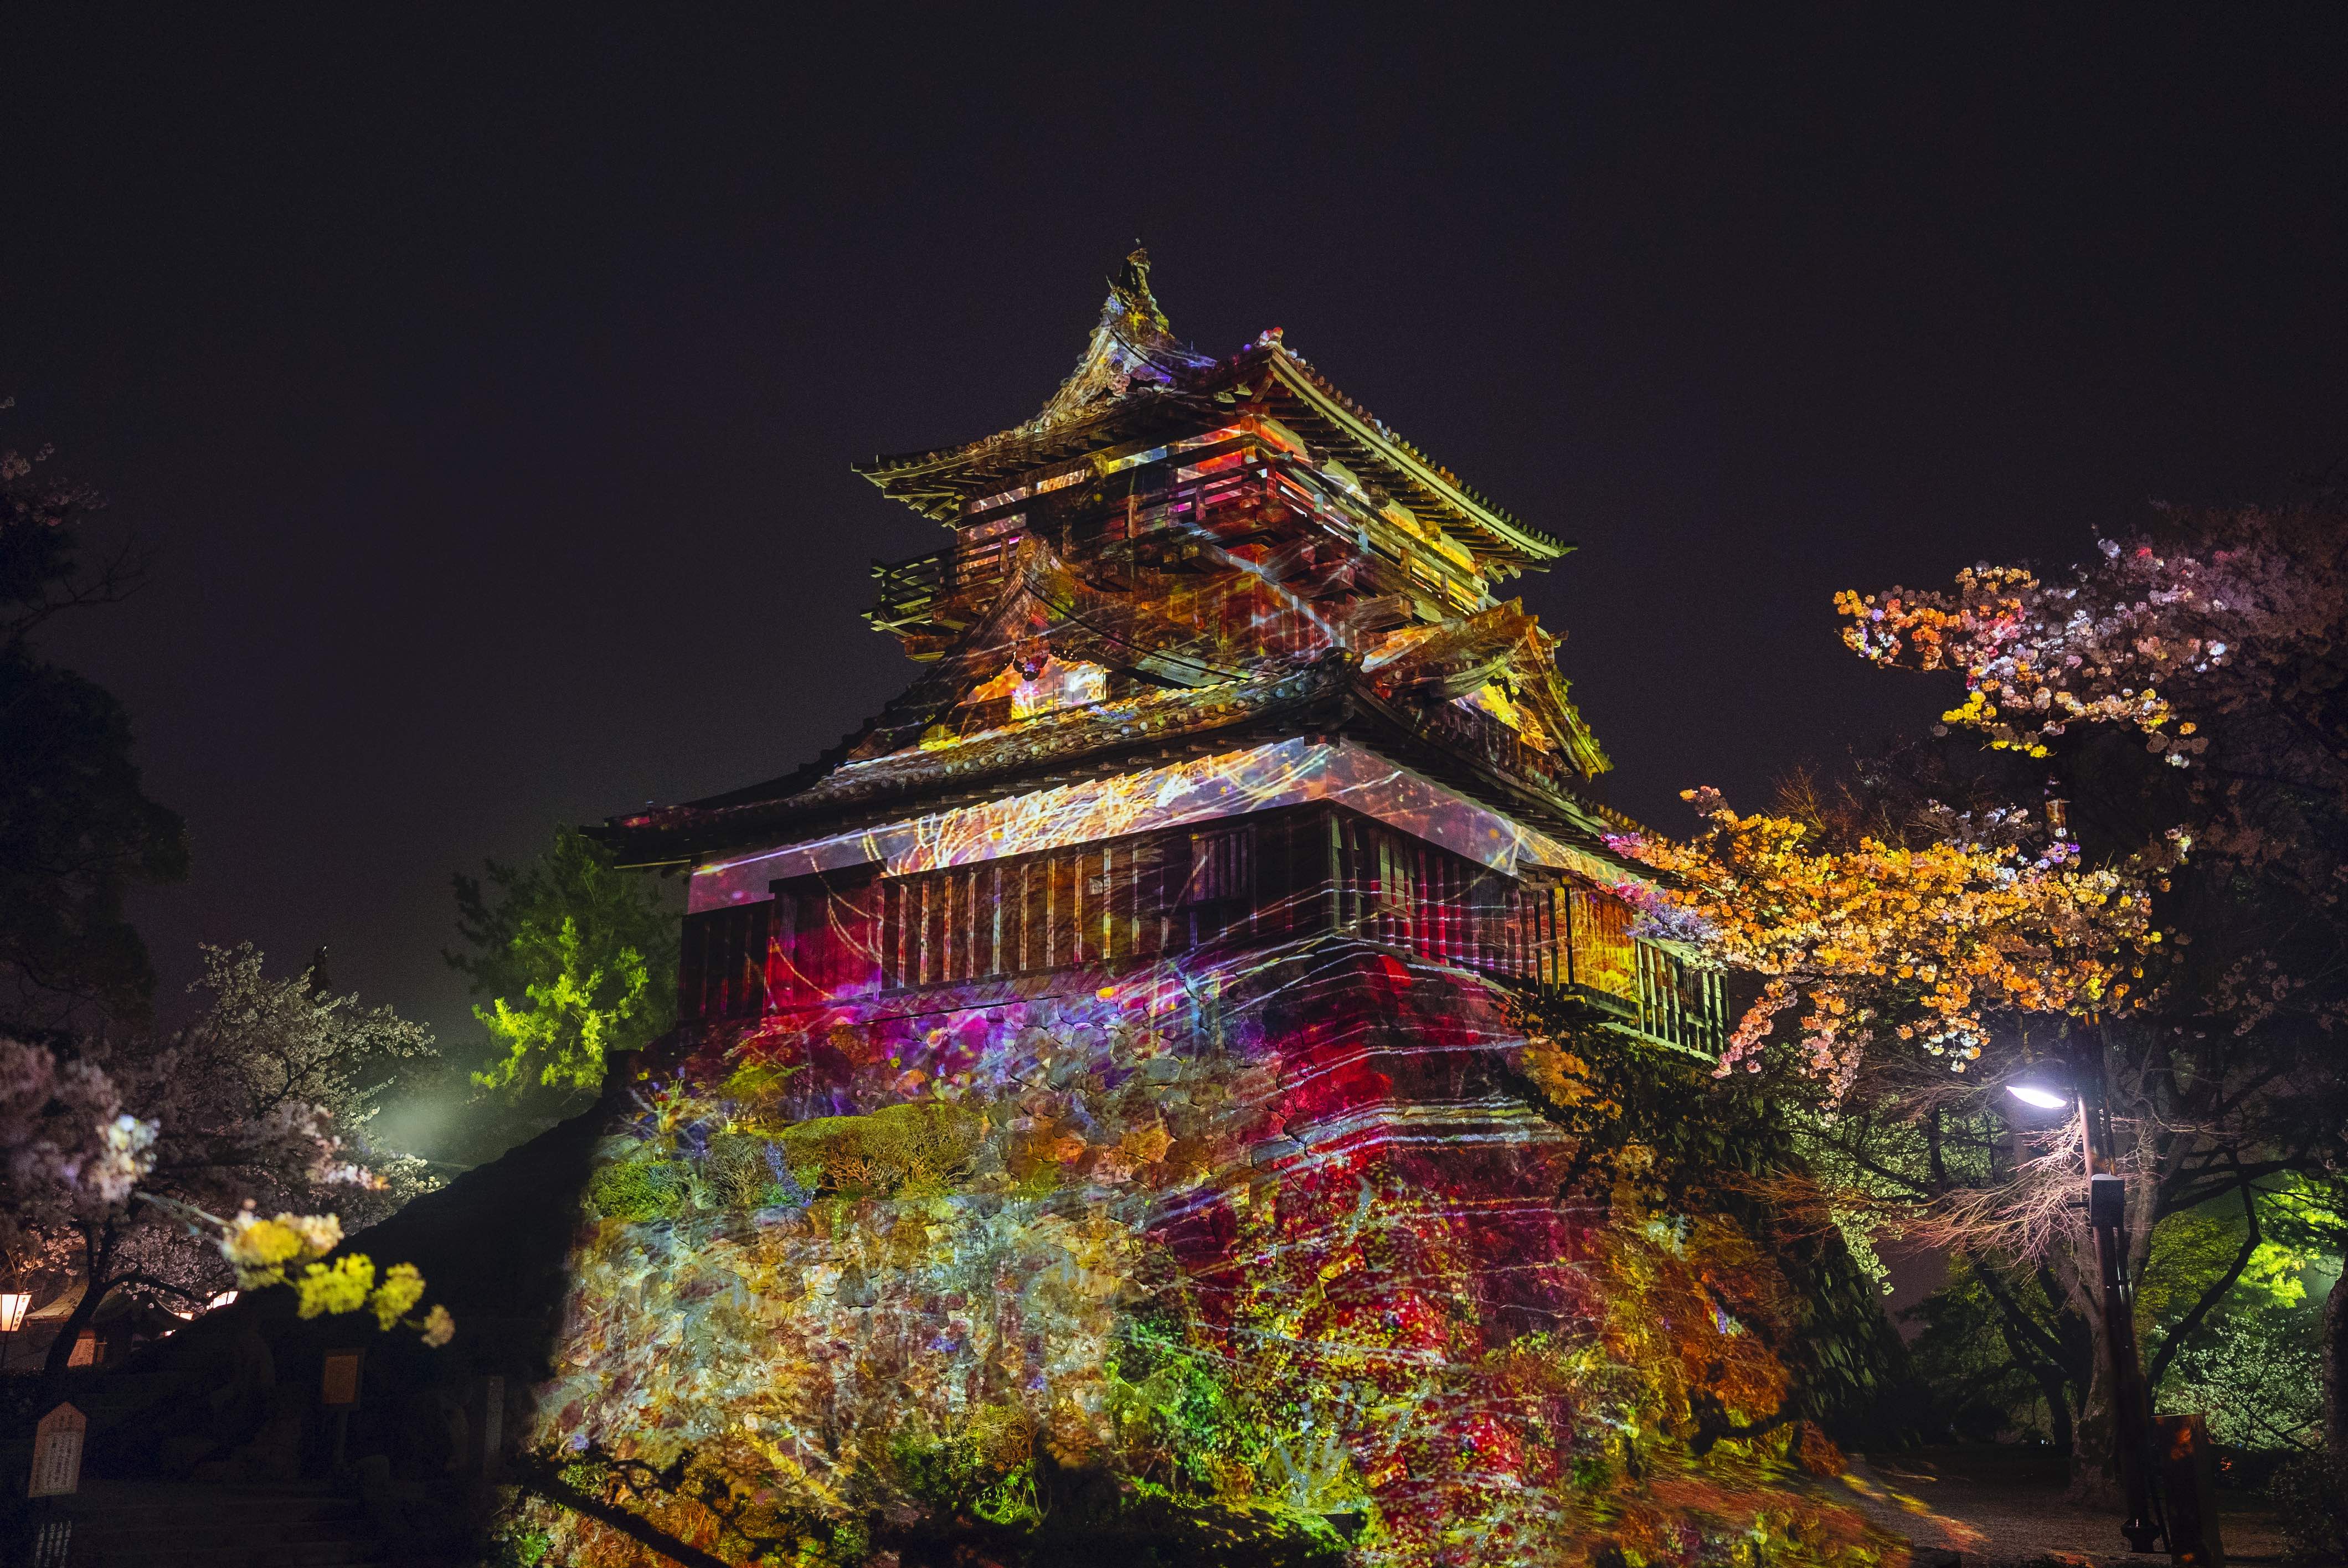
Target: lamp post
column 2106, row 1206
column 14, row 1305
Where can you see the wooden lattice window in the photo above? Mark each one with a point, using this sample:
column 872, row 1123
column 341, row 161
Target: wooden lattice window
column 722, row 964
column 1222, row 866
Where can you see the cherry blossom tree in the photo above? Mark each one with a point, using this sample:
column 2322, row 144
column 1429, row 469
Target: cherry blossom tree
column 2217, row 642
column 146, row 1163
column 2144, row 860
column 1921, row 937
column 2217, row 620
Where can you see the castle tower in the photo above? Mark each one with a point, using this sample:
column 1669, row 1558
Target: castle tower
column 1136, row 986
column 1213, row 660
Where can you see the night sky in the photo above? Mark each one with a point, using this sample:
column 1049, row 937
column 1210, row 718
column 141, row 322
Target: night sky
column 488, row 386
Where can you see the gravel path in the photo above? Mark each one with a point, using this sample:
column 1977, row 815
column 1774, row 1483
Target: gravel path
column 1975, row 1508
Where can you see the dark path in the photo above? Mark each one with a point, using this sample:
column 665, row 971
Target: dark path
column 1995, row 1509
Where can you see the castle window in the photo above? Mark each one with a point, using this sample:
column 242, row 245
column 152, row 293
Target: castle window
column 1221, row 867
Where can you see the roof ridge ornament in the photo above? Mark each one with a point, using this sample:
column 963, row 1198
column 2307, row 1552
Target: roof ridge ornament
column 1133, row 348
column 1131, row 288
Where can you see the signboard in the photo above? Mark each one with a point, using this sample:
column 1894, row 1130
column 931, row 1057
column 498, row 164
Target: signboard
column 2188, row 1491
column 56, row 1453
column 53, row 1547
column 340, row 1386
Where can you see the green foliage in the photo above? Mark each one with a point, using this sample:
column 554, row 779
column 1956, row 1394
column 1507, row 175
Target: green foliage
column 2252, row 1364
column 520, row 1549
column 1879, row 1157
column 1979, row 1388
column 576, row 1014
column 637, row 1190
column 737, row 1174
column 1169, row 1396
column 913, row 1359
column 2312, row 1507
column 1617, row 1098
column 970, row 1475
column 910, row 1151
column 2192, row 1250
column 1657, row 1124
column 2257, row 1372
column 576, row 959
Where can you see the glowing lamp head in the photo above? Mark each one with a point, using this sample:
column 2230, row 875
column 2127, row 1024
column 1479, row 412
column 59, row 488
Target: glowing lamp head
column 14, row 1305
column 2039, row 1095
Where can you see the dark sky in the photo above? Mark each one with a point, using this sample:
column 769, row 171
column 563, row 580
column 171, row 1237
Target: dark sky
column 487, row 385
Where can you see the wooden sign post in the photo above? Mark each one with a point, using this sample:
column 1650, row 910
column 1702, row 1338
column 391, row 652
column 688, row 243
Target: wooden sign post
column 57, row 1472
column 56, row 1453
column 2189, row 1485
column 339, row 1390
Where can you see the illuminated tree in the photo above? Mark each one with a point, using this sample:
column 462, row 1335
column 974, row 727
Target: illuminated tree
column 575, row 958
column 2175, row 709
column 2220, row 618
column 2209, row 650
column 142, row 1164
column 2311, row 1214
column 1921, row 938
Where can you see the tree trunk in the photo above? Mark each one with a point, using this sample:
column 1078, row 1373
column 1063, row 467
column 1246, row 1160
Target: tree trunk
column 2094, row 1434
column 2057, row 1395
column 2095, row 1454
column 2095, row 1448
column 98, row 1259
column 2335, row 1380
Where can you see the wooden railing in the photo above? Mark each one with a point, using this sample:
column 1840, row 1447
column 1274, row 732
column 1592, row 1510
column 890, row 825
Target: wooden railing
column 912, row 591
column 1679, row 1003
column 1277, row 875
column 1571, row 938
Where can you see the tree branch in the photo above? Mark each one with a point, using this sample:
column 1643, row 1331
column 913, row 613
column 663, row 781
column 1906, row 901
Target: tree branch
column 2214, row 1293
column 2045, row 1343
column 152, row 1283
column 536, row 1475
column 122, row 575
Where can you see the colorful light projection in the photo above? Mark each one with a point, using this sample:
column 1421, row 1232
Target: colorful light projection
column 1281, row 773
column 1081, row 1200
column 1270, row 1241
column 1052, row 687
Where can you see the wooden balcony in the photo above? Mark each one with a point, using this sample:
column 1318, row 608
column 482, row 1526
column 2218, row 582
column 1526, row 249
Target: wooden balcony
column 1284, row 875
column 923, row 591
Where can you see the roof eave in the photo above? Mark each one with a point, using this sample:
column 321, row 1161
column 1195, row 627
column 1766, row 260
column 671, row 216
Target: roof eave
column 1500, row 530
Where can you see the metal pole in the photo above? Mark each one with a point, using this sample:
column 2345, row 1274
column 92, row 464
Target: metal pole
column 2107, row 1220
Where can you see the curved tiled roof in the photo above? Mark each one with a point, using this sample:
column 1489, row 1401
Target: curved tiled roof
column 1135, row 381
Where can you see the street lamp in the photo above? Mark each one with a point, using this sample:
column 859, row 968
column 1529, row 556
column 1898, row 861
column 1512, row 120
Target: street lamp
column 2106, row 1206
column 14, row 1305
column 2045, row 1099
